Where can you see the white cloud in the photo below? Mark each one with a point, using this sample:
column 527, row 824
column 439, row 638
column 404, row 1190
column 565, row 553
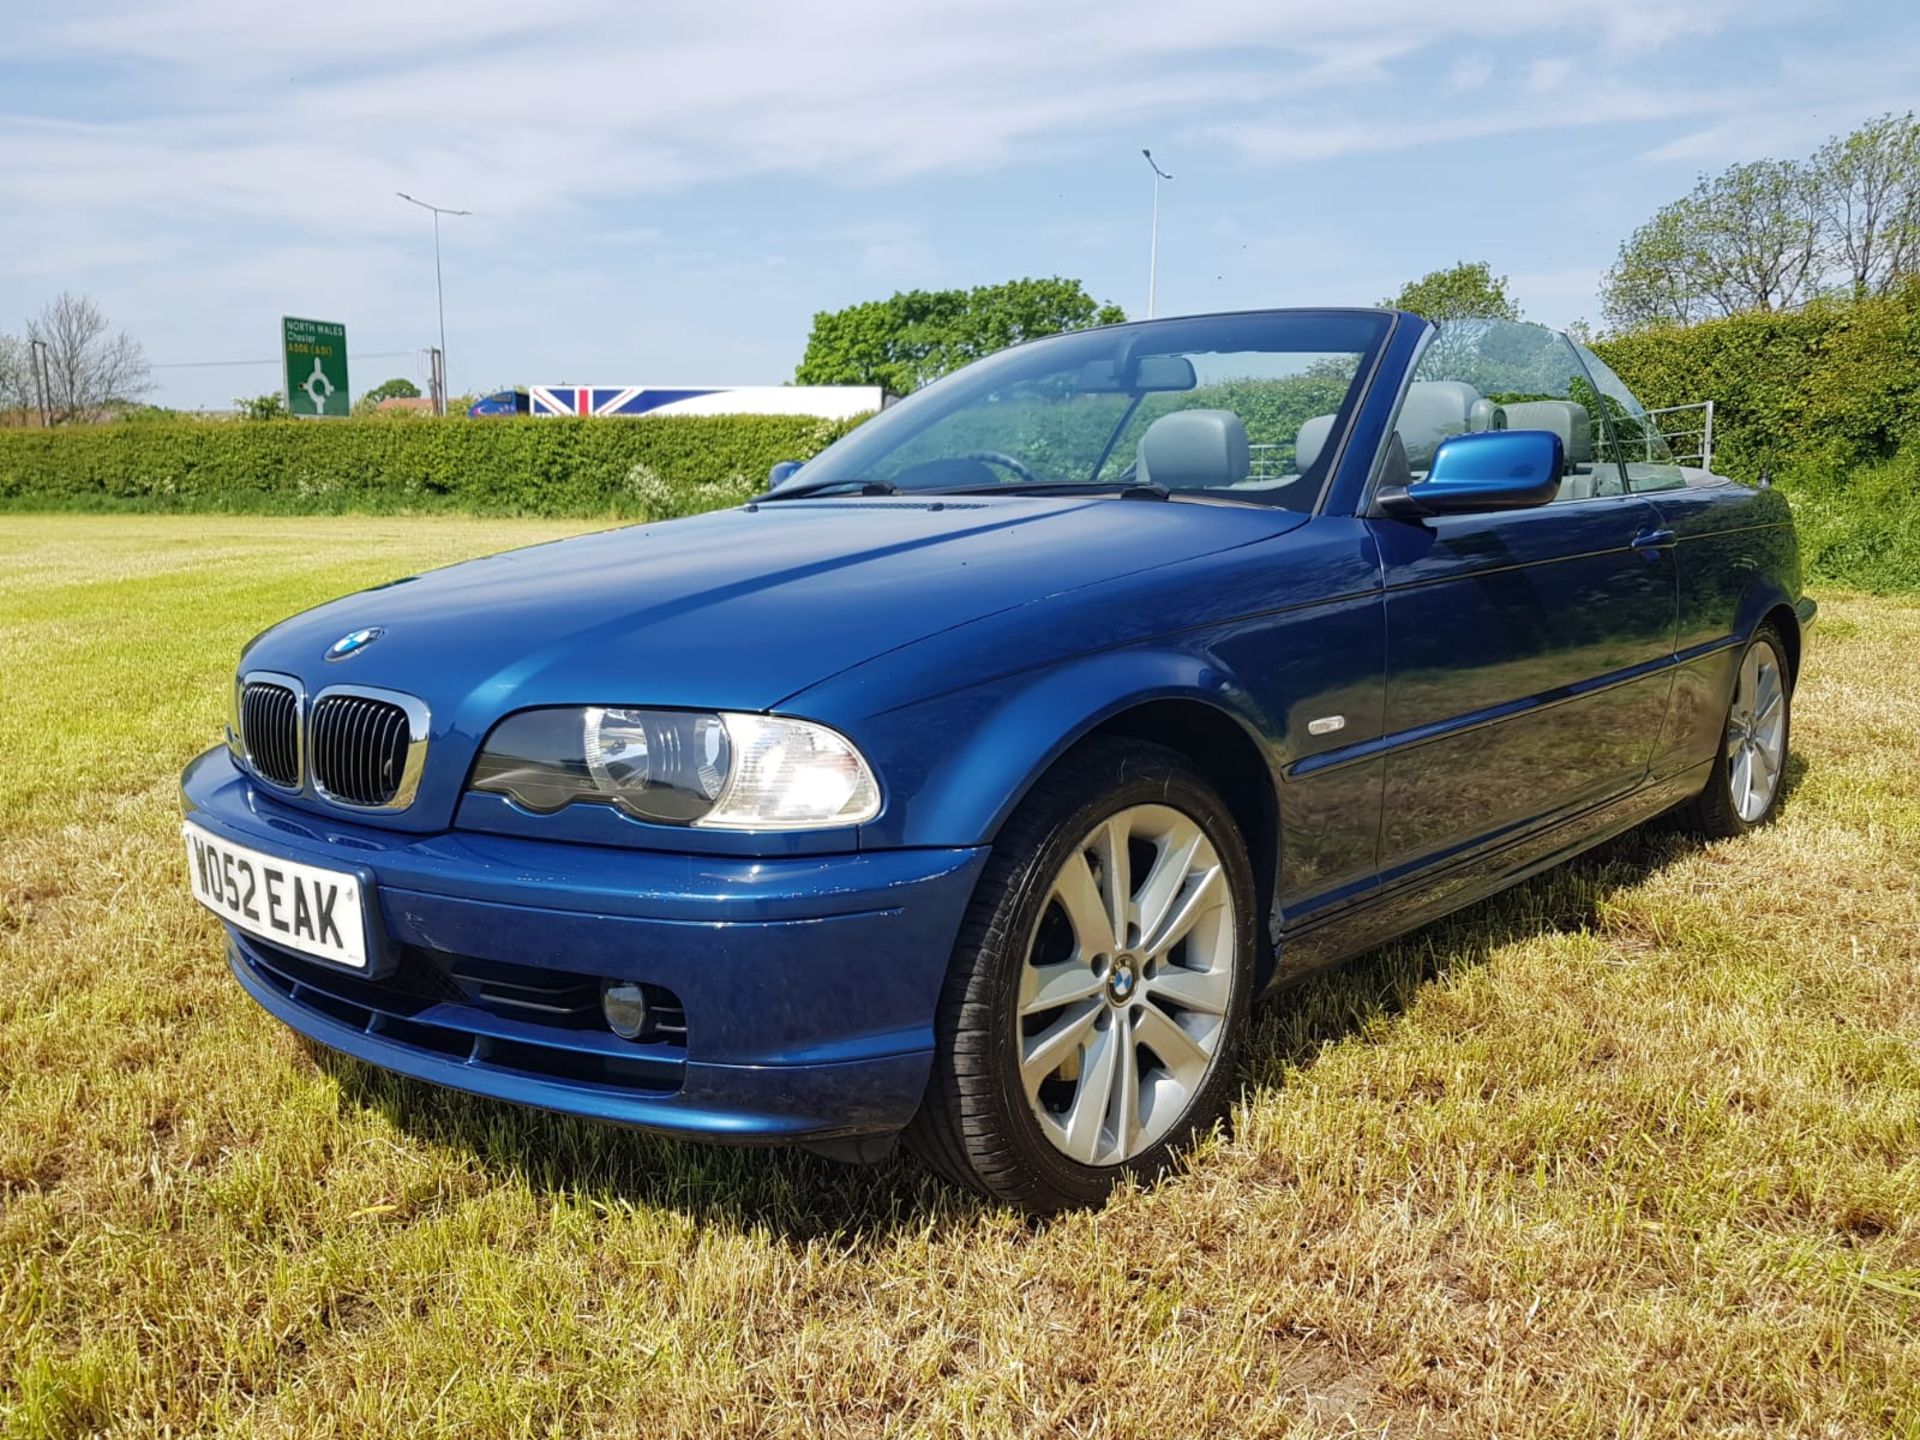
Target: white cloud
column 214, row 157
column 892, row 250
column 1550, row 74
column 1468, row 73
column 1811, row 99
column 1559, row 296
column 1323, row 133
column 254, row 110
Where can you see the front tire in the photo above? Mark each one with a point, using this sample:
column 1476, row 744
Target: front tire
column 1099, row 987
column 1743, row 791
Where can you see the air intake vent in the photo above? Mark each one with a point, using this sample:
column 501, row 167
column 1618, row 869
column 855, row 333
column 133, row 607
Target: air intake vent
column 366, row 751
column 270, row 732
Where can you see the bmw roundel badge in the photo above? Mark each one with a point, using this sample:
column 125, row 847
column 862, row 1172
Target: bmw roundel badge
column 354, row 642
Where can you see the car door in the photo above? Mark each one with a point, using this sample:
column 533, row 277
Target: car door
column 1727, row 535
column 1528, row 652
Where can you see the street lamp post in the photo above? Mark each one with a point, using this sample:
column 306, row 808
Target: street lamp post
column 37, row 360
column 439, row 294
column 1153, row 245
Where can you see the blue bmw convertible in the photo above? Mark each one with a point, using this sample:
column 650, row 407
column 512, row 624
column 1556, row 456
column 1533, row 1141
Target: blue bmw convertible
column 972, row 784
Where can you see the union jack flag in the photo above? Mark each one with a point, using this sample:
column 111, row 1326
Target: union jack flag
column 604, row 399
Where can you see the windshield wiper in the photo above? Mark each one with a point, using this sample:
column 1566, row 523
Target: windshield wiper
column 818, row 487
column 1123, row 489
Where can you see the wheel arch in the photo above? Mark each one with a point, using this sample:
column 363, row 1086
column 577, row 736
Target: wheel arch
column 1766, row 600
column 1175, row 699
column 1784, row 618
column 1184, row 702
column 1226, row 756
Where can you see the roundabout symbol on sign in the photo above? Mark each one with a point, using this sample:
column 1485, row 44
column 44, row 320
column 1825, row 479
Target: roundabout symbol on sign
column 318, row 387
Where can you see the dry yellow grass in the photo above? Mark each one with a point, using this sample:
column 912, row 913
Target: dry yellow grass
column 1633, row 1150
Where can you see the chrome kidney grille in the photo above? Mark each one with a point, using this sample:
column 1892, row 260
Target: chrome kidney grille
column 358, row 747
column 270, row 731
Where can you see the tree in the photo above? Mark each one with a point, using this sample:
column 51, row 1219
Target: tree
column 1867, row 190
column 88, row 368
column 398, row 388
column 916, row 336
column 1746, row 239
column 270, row 406
column 1773, row 234
column 1651, row 282
column 1466, row 290
column 16, row 377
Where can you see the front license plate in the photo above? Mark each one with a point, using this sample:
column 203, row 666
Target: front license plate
column 301, row 907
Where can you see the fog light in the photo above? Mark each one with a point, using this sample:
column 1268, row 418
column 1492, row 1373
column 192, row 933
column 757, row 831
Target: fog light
column 625, row 1006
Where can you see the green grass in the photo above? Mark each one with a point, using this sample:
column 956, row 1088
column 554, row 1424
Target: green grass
column 1861, row 527
column 1632, row 1150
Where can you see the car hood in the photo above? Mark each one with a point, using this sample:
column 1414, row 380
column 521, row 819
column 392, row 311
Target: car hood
column 736, row 609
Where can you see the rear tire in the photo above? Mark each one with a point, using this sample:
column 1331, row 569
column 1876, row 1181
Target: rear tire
column 1743, row 790
column 1115, row 921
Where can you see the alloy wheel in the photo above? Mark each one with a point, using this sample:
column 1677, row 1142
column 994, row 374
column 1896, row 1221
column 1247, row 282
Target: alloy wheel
column 1757, row 731
column 1127, row 985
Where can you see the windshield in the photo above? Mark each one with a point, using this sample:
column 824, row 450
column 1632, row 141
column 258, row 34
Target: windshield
column 1643, row 446
column 1240, row 406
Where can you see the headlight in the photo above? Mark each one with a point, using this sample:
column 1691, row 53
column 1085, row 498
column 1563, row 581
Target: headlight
column 679, row 767
column 790, row 773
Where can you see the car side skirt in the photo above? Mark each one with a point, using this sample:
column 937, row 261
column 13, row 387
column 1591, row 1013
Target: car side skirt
column 1431, row 894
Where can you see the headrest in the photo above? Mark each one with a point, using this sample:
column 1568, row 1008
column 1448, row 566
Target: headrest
column 1566, row 418
column 1311, row 440
column 1194, row 450
column 1433, row 410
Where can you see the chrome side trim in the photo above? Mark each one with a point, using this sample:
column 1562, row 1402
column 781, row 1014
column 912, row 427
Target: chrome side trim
column 419, row 723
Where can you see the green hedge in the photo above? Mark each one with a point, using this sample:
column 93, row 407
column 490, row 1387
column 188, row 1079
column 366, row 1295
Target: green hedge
column 1836, row 384
column 671, row 465
column 1831, row 394
column 1864, row 531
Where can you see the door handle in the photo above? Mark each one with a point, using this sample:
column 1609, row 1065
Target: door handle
column 1650, row 542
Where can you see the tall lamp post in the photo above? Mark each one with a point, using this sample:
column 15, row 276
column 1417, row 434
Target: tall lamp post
column 1153, row 245
column 439, row 294
column 37, row 359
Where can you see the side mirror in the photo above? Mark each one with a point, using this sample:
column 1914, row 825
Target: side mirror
column 1494, row 470
column 781, row 472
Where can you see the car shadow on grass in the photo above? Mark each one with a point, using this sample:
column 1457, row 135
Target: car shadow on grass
column 1321, row 1009
column 1294, row 1025
column 800, row 1196
column 790, row 1192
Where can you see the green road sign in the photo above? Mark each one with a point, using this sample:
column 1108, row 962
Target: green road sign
column 316, row 364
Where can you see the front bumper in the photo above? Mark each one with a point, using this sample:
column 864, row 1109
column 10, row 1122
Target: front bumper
column 808, row 984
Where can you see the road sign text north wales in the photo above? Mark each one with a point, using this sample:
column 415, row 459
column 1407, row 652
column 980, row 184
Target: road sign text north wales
column 315, row 352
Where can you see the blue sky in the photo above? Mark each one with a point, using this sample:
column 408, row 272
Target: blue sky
column 668, row 197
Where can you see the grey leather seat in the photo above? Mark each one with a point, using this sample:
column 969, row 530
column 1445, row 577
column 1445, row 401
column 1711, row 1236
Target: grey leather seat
column 1311, row 440
column 1570, row 421
column 1194, row 450
column 1433, row 410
